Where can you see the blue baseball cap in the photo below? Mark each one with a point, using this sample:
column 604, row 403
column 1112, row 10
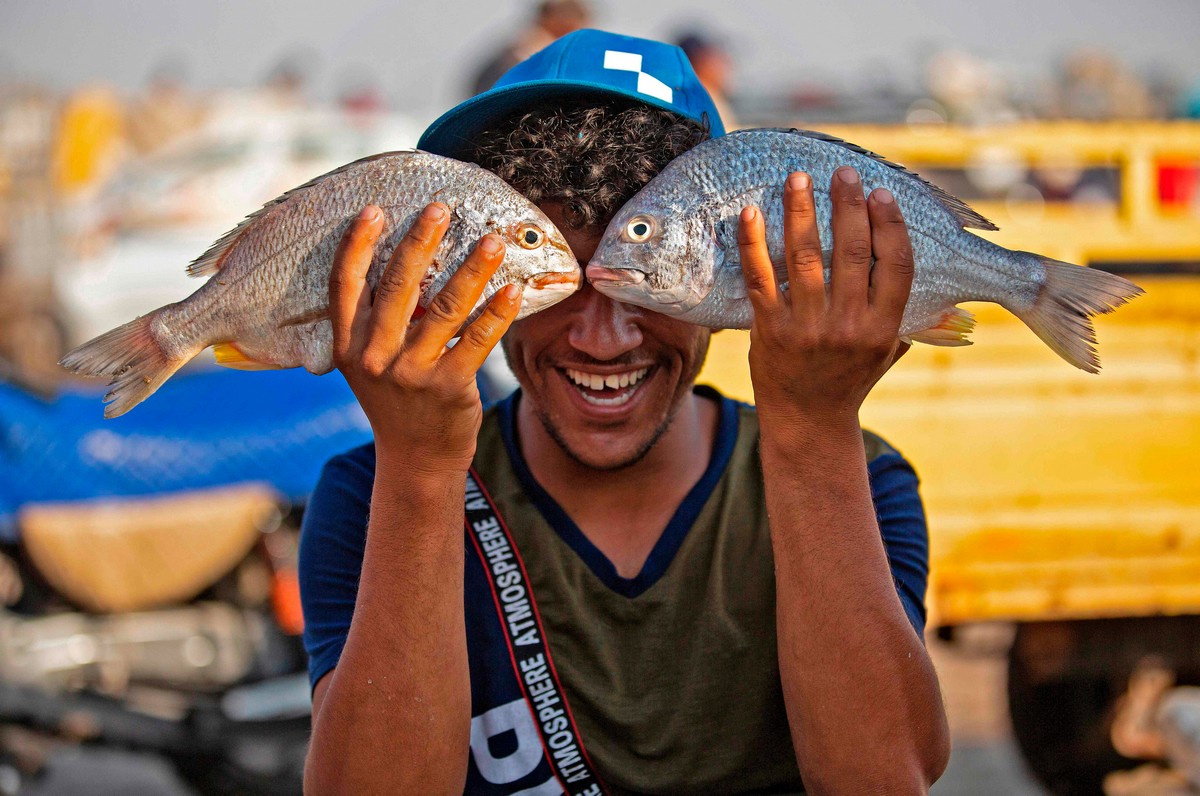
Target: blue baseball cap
column 580, row 64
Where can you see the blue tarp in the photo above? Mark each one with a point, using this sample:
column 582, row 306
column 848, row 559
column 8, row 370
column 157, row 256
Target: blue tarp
column 203, row 428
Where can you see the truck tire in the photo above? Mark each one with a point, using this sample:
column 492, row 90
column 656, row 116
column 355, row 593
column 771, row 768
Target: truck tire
column 1064, row 681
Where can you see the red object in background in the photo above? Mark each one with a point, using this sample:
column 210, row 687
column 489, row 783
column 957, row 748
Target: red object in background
column 285, row 600
column 1177, row 183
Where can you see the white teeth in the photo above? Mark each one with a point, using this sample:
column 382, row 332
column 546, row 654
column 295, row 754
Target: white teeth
column 616, row 400
column 613, row 381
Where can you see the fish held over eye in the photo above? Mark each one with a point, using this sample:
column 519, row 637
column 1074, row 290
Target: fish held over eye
column 673, row 247
column 266, row 303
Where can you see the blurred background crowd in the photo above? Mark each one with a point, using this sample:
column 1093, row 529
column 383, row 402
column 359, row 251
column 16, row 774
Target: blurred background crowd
column 133, row 133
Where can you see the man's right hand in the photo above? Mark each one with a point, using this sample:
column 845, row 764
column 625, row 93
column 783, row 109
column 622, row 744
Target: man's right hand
column 394, row 716
column 419, row 396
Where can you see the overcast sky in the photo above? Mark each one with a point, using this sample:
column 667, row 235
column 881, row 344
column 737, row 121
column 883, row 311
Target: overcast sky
column 422, row 53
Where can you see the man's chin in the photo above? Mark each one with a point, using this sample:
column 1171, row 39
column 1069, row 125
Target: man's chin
column 603, row 457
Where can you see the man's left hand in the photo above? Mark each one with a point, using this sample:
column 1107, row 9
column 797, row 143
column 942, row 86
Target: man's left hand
column 815, row 352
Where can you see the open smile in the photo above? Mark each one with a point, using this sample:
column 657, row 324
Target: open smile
column 606, row 389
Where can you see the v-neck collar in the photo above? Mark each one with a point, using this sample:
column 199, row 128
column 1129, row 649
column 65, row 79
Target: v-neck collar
column 668, row 544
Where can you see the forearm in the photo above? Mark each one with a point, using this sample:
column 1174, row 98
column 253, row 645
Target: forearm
column 395, row 717
column 861, row 694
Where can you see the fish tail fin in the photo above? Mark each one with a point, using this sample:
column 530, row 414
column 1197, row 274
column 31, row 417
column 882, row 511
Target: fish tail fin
column 1070, row 297
column 132, row 357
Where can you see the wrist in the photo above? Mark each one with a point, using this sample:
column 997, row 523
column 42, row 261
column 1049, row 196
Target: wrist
column 418, row 474
column 434, row 453
column 414, row 512
column 793, row 437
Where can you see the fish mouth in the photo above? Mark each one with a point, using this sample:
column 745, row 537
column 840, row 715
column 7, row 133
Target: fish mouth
column 545, row 290
column 556, row 281
column 602, row 276
column 629, row 285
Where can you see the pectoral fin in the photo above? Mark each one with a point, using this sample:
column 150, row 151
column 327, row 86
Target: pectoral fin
column 948, row 328
column 230, row 356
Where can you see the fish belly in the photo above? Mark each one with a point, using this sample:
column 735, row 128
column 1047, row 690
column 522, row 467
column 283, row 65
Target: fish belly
column 304, row 345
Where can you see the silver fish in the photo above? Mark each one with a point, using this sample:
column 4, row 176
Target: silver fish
column 673, row 246
column 266, row 303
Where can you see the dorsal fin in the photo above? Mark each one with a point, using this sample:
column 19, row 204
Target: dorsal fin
column 961, row 211
column 210, row 262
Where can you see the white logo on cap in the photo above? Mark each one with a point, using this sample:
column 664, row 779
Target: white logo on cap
column 646, row 84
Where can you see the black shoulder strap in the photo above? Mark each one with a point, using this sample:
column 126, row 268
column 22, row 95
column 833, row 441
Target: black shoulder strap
column 526, row 640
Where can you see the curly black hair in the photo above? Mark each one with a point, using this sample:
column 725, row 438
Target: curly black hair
column 591, row 156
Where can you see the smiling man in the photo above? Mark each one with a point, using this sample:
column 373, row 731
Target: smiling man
column 615, row 581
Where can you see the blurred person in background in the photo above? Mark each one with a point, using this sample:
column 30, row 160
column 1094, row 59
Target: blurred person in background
column 553, row 20
column 361, row 96
column 165, row 112
column 713, row 66
column 1189, row 106
column 1096, row 86
column 967, row 89
column 287, row 81
column 90, row 140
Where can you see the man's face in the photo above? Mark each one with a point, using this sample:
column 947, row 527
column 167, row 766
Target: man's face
column 646, row 362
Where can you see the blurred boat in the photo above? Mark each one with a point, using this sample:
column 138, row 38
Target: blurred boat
column 215, row 427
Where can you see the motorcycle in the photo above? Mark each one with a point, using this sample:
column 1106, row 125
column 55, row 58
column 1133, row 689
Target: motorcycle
column 97, row 647
column 148, row 591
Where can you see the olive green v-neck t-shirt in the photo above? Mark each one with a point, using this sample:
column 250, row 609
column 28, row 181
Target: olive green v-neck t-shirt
column 672, row 676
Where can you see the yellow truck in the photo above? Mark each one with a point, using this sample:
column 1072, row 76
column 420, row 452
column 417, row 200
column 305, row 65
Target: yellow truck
column 1059, row 501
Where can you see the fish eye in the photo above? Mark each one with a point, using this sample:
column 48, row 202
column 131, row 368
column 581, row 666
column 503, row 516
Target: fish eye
column 530, row 237
column 640, row 229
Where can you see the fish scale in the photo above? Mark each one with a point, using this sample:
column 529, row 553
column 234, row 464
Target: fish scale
column 265, row 304
column 690, row 267
column 758, row 182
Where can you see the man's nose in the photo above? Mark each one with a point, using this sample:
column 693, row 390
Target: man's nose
column 602, row 328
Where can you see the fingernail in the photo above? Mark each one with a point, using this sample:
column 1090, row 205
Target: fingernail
column 434, row 213
column 369, row 213
column 511, row 292
column 848, row 175
column 798, row 181
column 490, row 245
column 883, row 196
column 749, row 213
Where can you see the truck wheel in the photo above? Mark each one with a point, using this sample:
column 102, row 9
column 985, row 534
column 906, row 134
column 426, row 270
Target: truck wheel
column 1064, row 681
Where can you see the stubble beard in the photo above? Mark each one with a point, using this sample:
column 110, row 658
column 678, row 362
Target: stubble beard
column 642, row 451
